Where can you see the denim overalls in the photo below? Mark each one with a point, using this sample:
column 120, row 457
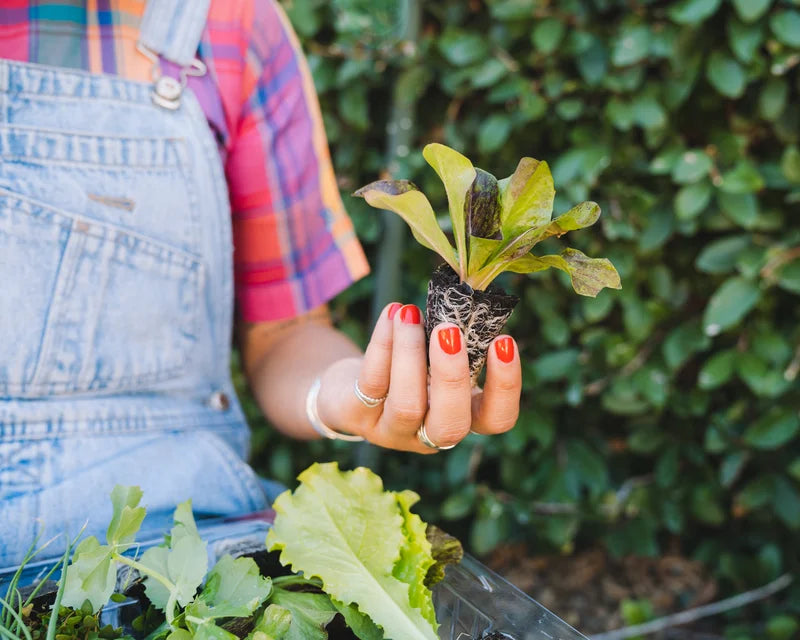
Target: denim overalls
column 115, row 296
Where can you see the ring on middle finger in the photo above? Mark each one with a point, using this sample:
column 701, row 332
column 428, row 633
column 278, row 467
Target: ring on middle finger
column 422, row 436
column 367, row 401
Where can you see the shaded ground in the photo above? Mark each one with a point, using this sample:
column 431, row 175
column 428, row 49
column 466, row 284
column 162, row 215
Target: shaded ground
column 587, row 589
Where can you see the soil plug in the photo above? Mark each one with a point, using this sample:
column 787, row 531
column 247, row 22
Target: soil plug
column 495, row 224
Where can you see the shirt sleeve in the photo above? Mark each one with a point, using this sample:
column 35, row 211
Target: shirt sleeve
column 294, row 244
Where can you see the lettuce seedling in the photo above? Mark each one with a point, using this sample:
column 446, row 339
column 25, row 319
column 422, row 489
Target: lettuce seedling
column 495, row 224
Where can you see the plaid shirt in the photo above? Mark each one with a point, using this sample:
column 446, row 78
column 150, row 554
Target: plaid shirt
column 294, row 244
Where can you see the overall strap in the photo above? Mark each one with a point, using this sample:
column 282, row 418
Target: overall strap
column 173, row 28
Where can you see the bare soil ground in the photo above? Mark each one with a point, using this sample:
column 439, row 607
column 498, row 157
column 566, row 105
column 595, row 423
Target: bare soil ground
column 587, row 589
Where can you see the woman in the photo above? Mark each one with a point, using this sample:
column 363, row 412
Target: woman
column 139, row 144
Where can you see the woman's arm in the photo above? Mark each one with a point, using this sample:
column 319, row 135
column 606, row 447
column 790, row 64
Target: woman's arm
column 282, row 358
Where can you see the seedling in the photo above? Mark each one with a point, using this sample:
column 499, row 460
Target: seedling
column 495, row 223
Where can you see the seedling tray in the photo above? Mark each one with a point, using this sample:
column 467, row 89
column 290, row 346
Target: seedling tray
column 471, row 602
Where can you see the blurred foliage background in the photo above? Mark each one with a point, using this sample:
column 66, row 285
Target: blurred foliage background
column 667, row 413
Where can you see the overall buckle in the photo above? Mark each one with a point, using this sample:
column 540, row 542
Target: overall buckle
column 167, row 91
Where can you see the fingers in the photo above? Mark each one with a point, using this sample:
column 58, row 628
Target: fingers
column 407, row 402
column 373, row 379
column 496, row 409
column 449, row 415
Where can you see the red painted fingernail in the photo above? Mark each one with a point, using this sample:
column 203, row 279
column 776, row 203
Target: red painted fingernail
column 504, row 348
column 450, row 340
column 410, row 314
column 393, row 309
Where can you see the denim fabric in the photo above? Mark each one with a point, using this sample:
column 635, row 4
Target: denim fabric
column 115, row 308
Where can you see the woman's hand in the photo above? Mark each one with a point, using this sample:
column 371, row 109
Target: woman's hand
column 395, row 367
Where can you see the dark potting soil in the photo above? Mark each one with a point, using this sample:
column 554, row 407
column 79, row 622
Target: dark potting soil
column 481, row 315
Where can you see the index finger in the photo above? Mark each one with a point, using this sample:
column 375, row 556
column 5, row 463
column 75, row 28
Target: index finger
column 496, row 410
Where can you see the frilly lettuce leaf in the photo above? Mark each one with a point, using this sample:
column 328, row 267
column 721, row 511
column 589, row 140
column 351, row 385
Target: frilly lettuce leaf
column 343, row 528
column 588, row 275
column 415, row 557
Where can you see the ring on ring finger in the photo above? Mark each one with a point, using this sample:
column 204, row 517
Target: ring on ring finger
column 422, row 436
column 367, row 401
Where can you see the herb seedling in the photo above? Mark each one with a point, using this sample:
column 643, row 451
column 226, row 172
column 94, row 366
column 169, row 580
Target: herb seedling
column 495, row 223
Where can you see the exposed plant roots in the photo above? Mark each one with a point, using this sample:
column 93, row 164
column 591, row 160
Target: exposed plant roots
column 481, row 315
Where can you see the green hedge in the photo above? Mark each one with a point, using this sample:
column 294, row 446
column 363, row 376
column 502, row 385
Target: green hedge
column 667, row 410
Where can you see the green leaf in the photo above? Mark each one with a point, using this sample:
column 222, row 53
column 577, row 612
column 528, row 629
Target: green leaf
column 526, row 197
column 743, row 178
column 404, row 199
column 648, row 113
column 683, row 342
column 751, row 10
column 772, row 99
column 361, row 625
column 208, row 631
column 732, row 467
column 789, row 278
column 588, row 275
column 493, row 132
column 274, row 623
column 790, row 164
column 556, row 365
column 127, row 516
column 782, row 626
column 692, row 199
column 240, row 584
column 631, row 46
column 717, row 370
column 729, row 304
column 774, row 429
column 794, row 469
column 705, row 506
column 726, row 75
column 547, row 35
column 691, row 166
column 457, row 175
column 693, row 11
column 786, row 503
column 744, row 39
column 311, row 613
column 722, row 255
column 184, row 563
column 343, row 528
column 756, row 493
column 91, row 576
column 480, row 251
column 462, row 48
column 786, row 27
column 742, row 208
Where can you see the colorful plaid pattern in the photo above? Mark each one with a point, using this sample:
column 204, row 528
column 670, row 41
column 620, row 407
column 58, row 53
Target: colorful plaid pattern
column 294, row 244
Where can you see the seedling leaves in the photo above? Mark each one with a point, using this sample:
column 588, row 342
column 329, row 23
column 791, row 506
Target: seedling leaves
column 404, row 199
column 92, row 575
column 457, row 175
column 127, row 515
column 310, row 613
column 273, row 624
column 184, row 563
column 588, row 275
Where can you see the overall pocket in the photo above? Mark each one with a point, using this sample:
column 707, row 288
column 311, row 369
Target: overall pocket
column 98, row 252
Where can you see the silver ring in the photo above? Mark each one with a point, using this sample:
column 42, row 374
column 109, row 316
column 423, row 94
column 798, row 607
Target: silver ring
column 367, row 401
column 422, row 436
